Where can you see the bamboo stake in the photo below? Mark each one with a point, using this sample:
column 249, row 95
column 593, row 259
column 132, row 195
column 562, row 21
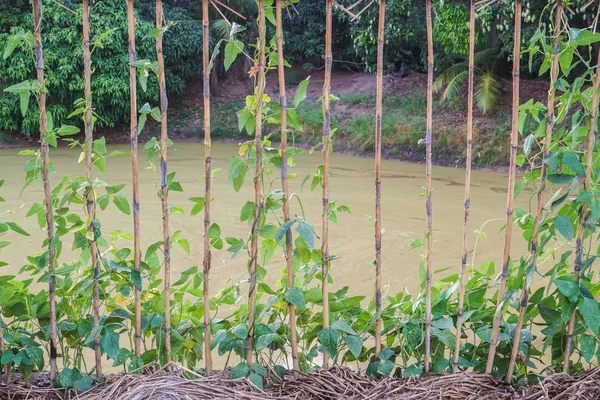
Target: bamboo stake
column 207, row 183
column 133, row 127
column 260, row 86
column 39, row 66
column 90, row 203
column 465, row 238
column 326, row 133
column 378, row 117
column 540, row 193
column 428, row 186
column 510, row 197
column 163, row 176
column 583, row 212
column 284, row 184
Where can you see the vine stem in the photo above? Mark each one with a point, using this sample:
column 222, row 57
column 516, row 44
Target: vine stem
column 133, row 127
column 2, row 347
column 510, row 196
column 284, row 183
column 378, row 118
column 89, row 140
column 428, row 203
column 260, row 87
column 591, row 141
column 207, row 183
column 39, row 66
column 540, row 193
column 465, row 238
column 163, row 176
column 326, row 134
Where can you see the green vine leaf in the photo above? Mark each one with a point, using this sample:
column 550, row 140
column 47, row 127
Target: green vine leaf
column 563, row 224
column 122, row 204
column 295, row 296
column 329, row 339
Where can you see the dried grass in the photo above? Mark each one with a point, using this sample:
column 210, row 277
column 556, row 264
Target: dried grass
column 174, row 382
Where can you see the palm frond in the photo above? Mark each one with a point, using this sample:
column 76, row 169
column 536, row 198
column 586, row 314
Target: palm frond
column 221, row 28
column 487, row 93
column 454, row 85
column 448, row 76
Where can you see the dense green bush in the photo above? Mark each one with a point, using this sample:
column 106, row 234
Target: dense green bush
column 305, row 37
column 64, row 59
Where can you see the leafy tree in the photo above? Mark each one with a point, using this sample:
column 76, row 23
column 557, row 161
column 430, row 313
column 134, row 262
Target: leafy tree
column 63, row 58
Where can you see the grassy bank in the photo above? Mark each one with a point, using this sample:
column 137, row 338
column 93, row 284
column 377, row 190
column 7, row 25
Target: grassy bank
column 353, row 120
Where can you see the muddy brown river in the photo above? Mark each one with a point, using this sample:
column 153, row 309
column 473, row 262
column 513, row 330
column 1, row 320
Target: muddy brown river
column 403, row 213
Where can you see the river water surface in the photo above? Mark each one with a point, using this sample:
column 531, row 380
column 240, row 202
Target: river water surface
column 351, row 184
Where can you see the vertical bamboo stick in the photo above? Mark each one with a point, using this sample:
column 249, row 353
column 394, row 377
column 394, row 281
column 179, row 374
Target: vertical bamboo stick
column 133, row 127
column 378, row 117
column 163, row 176
column 207, row 183
column 428, row 186
column 540, row 193
column 326, row 132
column 465, row 238
column 260, row 86
column 510, row 197
column 39, row 66
column 591, row 141
column 90, row 203
column 284, row 183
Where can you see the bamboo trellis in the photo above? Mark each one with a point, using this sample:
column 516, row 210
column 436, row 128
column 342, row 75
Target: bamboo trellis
column 378, row 119
column 428, row 204
column 39, row 66
column 163, row 176
column 542, row 188
column 133, row 128
column 510, row 197
column 207, row 183
column 89, row 139
column 326, row 134
column 259, row 92
column 591, row 141
column 257, row 177
column 463, row 261
column 284, row 183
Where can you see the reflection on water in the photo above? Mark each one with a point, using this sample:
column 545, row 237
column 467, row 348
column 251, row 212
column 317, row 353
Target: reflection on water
column 352, row 239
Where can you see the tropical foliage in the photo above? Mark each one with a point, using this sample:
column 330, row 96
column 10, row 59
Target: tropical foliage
column 64, row 59
column 570, row 220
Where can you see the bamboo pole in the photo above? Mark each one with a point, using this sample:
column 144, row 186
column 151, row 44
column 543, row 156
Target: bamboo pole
column 260, row 86
column 510, row 197
column 326, row 133
column 163, row 176
column 284, row 184
column 378, row 118
column 90, row 203
column 583, row 212
column 465, row 238
column 133, row 127
column 428, row 186
column 39, row 66
column 540, row 193
column 207, row 184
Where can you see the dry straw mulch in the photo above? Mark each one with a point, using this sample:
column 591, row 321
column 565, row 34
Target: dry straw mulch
column 337, row 383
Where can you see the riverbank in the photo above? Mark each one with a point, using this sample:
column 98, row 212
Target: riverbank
column 403, row 124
